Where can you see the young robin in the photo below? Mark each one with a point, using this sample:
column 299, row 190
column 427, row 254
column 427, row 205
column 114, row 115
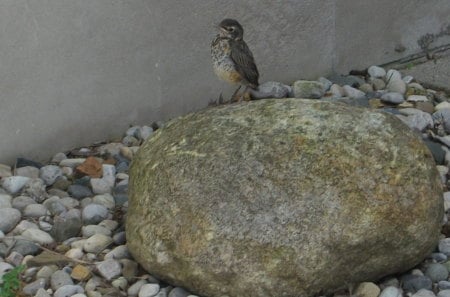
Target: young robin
column 232, row 59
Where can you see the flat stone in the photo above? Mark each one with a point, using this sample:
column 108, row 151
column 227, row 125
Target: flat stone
column 367, row 289
column 14, row 184
column 393, row 97
column 50, row 173
column 100, row 186
column 89, row 230
column 308, row 89
column 417, row 98
column 67, row 225
column 68, row 290
column 424, row 293
column 437, row 272
column 59, row 279
column 79, row 191
column 109, row 269
column 9, row 218
column 97, row 243
column 119, row 252
column 80, row 273
column 133, row 290
column 38, row 236
column 35, row 211
column 72, row 163
column 5, row 171
column 442, row 105
column 32, row 288
column 353, row 93
column 27, row 171
column 391, row 291
column 376, row 71
column 5, row 201
column 94, row 213
column 178, row 292
column 269, row 89
column 148, row 290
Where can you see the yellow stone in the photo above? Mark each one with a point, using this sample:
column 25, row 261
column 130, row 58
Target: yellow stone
column 80, row 272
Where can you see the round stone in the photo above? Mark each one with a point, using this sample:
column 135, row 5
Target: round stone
column 393, row 97
column 308, row 89
column 376, row 71
column 97, row 243
column 109, row 269
column 437, row 272
column 38, row 236
column 9, row 218
column 68, row 290
column 94, row 214
column 50, row 173
column 35, row 211
column 148, row 290
column 367, row 289
column 60, row 278
column 14, row 184
column 391, row 291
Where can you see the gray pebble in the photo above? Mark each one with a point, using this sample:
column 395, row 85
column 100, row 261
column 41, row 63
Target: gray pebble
column 14, row 184
column 24, row 225
column 94, row 214
column 376, row 71
column 444, row 246
column 424, row 293
column 109, row 269
column 420, row 121
column 353, row 93
column 391, row 291
column 130, row 141
column 120, row 283
column 326, row 83
column 55, row 207
column 445, row 292
column 58, row 157
column 79, row 191
column 270, row 89
column 100, row 186
column 42, row 293
column 60, row 278
column 35, row 211
column 120, row 194
column 26, row 247
column 408, row 79
column 97, row 243
column 106, row 200
column 442, row 118
column 119, row 252
column 178, row 292
column 66, row 225
column 36, row 189
column 9, row 218
column 440, row 257
column 33, row 287
column 38, row 236
column 89, row 230
column 14, row 258
column 129, row 268
column 69, row 202
column 133, row 290
column 392, row 97
column 378, row 84
column 397, row 86
column 132, row 131
column 68, row 290
column 45, row 272
column 119, row 238
column 437, row 272
column 28, row 171
column 5, row 201
column 72, row 163
column 50, row 173
column 413, row 283
column 144, row 132
column 308, row 89
column 149, row 290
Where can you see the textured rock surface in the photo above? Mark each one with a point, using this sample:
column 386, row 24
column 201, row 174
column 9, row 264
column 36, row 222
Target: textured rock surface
column 282, row 198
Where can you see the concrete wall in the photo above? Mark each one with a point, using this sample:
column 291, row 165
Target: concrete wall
column 75, row 72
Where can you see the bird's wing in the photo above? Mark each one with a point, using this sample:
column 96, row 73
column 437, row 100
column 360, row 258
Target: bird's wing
column 245, row 64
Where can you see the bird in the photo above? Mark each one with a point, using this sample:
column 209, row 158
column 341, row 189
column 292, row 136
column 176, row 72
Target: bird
column 232, row 59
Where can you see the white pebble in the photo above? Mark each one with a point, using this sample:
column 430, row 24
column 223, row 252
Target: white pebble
column 38, row 236
column 149, row 290
column 14, row 184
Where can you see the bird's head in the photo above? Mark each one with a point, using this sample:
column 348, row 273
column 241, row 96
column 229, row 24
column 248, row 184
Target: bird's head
column 231, row 29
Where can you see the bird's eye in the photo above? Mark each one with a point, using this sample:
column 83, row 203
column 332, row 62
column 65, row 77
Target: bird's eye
column 230, row 29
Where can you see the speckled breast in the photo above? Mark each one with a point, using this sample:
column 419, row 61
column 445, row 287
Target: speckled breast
column 223, row 65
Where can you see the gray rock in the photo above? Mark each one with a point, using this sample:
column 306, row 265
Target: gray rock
column 353, row 93
column 271, row 89
column 5, row 171
column 28, row 171
column 437, row 272
column 120, row 194
column 440, row 257
column 424, row 293
column 119, row 252
column 408, row 79
column 67, row 225
column 308, row 89
column 148, row 290
column 14, row 184
column 419, row 121
column 392, row 97
column 178, row 292
column 417, row 98
column 120, row 283
column 376, row 71
column 69, row 202
column 100, row 186
column 130, row 140
column 88, row 231
column 444, row 246
column 119, row 238
column 46, row 272
column 50, row 173
column 35, row 211
column 9, row 218
column 442, row 118
column 38, row 236
column 436, row 150
column 396, row 86
column 129, row 268
column 36, row 189
column 393, row 74
column 413, row 283
column 5, row 201
column 94, row 214
column 144, row 132
column 378, row 84
column 109, row 269
column 274, row 155
column 55, row 207
column 445, row 289
column 109, row 174
column 326, row 83
column 42, row 293
column 79, row 191
column 58, row 157
column 72, row 163
column 26, row 247
column 132, row 131
column 59, row 279
column 366, row 88
column 337, row 91
column 68, row 290
column 97, row 243
column 133, row 290
column 32, row 288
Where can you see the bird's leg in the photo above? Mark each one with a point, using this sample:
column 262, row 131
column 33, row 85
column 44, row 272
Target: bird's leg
column 234, row 97
column 220, row 100
column 246, row 95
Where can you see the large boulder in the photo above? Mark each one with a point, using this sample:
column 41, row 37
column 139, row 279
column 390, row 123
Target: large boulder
column 285, row 197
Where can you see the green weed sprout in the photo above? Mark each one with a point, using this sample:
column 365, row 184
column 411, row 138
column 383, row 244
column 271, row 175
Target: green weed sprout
column 10, row 284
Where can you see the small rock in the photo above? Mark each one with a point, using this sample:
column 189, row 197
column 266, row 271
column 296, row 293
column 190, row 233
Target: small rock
column 393, row 97
column 367, row 289
column 120, row 283
column 110, row 149
column 26, row 247
column 89, row 230
column 119, row 238
column 148, row 290
column 133, row 290
column 424, row 293
column 72, row 163
column 14, row 258
column 69, row 202
column 130, row 141
column 393, row 74
column 36, row 189
column 391, row 291
column 442, row 105
column 97, row 243
column 35, row 211
column 427, row 107
column 68, row 290
column 351, row 80
column 376, row 71
column 109, row 269
column 50, row 173
column 416, row 86
column 27, row 171
column 326, row 83
column 419, row 121
column 178, row 292
column 127, row 153
column 79, row 191
column 119, row 252
column 436, row 150
column 90, row 167
column 397, row 86
column 55, row 207
column 145, row 132
column 67, row 225
column 80, row 273
column 269, row 89
column 440, row 257
column 417, row 98
column 443, row 170
column 308, row 89
column 408, row 79
column 109, row 224
column 42, row 293
column 9, row 218
column 32, row 288
column 366, row 88
column 46, row 272
column 353, row 93
column 378, row 84
column 22, row 162
column 442, row 118
column 5, row 201
column 437, row 272
column 129, row 268
column 60, row 278
column 444, row 285
column 100, row 186
column 14, row 184
column 444, row 246
column 337, row 91
column 38, row 236
column 94, row 214
column 120, row 194
column 413, row 283
column 58, row 157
